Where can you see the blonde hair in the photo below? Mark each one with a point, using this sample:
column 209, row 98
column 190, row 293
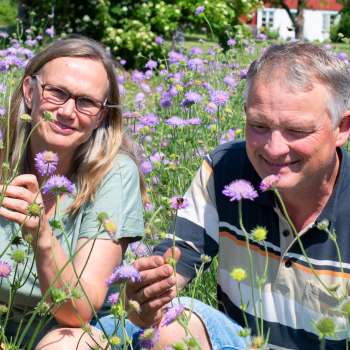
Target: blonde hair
column 94, row 158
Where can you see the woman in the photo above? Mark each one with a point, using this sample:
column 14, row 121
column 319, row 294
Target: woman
column 74, row 80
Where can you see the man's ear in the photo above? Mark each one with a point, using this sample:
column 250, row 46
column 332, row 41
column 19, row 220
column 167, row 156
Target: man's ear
column 343, row 129
column 27, row 89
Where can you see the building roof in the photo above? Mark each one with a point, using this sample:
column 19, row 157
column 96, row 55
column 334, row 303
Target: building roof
column 325, row 5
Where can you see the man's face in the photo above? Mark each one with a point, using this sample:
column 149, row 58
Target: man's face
column 289, row 133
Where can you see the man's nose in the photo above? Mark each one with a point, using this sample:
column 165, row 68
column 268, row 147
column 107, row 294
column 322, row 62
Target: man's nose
column 276, row 145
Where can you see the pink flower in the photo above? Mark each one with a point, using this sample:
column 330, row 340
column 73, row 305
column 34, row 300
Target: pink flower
column 178, row 203
column 5, row 269
column 269, row 182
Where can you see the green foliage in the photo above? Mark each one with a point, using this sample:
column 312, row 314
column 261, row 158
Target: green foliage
column 8, row 12
column 342, row 28
column 130, row 27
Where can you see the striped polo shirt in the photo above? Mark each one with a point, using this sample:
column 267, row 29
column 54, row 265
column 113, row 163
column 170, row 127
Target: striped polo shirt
column 293, row 299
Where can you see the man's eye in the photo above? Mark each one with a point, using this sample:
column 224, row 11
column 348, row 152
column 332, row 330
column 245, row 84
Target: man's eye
column 259, row 128
column 85, row 102
column 56, row 93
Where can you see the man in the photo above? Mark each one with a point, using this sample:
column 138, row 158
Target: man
column 297, row 105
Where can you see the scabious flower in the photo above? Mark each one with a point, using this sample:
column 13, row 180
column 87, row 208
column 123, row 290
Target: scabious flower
column 50, row 31
column 243, row 73
column 148, row 338
column 191, row 98
column 151, row 64
column 172, row 314
column 259, row 233
column 240, row 189
column 199, row 10
column 5, row 269
column 140, row 100
column 231, row 42
column 113, row 298
column 175, row 121
column 230, row 81
column 46, row 162
column 211, row 108
column 219, row 97
column 137, row 76
column 196, row 51
column 238, row 274
column 159, row 40
column 228, row 136
column 165, row 100
column 269, row 182
column 149, row 119
column 176, row 57
column 194, row 121
column 146, row 167
column 195, row 64
column 140, row 249
column 58, row 184
column 261, row 36
column 343, row 56
column 124, row 273
column 177, row 202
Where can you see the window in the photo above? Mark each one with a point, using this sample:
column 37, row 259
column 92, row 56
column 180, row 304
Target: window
column 267, row 18
column 328, row 19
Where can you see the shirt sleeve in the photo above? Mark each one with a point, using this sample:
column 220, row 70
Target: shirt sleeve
column 197, row 225
column 119, row 197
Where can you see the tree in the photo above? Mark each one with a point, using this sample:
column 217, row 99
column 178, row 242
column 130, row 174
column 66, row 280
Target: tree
column 297, row 18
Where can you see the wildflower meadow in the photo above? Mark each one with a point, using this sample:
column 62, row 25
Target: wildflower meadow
column 178, row 108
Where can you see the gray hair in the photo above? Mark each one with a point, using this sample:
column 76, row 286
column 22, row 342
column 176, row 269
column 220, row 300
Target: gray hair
column 300, row 64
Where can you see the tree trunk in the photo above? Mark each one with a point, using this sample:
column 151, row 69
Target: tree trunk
column 299, row 24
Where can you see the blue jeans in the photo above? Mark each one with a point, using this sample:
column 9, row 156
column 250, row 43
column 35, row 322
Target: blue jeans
column 222, row 331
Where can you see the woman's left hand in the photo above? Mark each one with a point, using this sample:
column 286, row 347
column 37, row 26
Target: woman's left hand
column 23, row 204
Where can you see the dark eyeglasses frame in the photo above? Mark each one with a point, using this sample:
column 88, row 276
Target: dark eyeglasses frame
column 103, row 105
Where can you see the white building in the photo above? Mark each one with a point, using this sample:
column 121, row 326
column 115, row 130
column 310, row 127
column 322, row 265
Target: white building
column 319, row 16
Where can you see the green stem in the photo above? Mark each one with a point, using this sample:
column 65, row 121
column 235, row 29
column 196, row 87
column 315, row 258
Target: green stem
column 251, row 269
column 285, row 213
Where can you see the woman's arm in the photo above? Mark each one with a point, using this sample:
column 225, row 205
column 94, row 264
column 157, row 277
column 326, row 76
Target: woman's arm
column 96, row 259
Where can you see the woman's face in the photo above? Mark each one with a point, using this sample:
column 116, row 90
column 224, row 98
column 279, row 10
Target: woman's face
column 79, row 77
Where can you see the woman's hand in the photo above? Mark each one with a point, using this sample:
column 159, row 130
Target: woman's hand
column 22, row 203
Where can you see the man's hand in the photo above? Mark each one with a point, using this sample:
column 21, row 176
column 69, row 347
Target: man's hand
column 156, row 289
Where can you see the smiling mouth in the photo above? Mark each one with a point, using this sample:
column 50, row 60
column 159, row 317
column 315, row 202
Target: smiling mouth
column 62, row 126
column 279, row 165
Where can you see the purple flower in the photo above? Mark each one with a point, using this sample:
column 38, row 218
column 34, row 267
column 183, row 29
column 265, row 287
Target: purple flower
column 219, row 97
column 172, row 314
column 122, row 62
column 261, row 36
column 145, row 87
column 148, row 338
column 151, row 64
column 342, row 56
column 46, row 163
column 191, row 98
column 173, row 91
column 50, row 31
column 228, row 136
column 196, row 51
column 211, row 108
column 159, row 40
column 230, row 81
column 240, row 189
column 243, row 73
column 194, row 121
column 140, row 249
column 199, row 10
column 157, row 157
column 231, row 42
column 269, row 182
column 176, row 57
column 2, row 111
column 124, row 273
column 137, row 76
column 195, row 64
column 113, row 298
column 175, row 121
column 140, row 100
column 5, row 269
column 178, row 202
column 146, row 167
column 149, row 119
column 58, row 184
column 165, row 100
column 148, row 74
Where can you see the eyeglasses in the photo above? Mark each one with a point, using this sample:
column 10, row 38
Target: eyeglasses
column 84, row 104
